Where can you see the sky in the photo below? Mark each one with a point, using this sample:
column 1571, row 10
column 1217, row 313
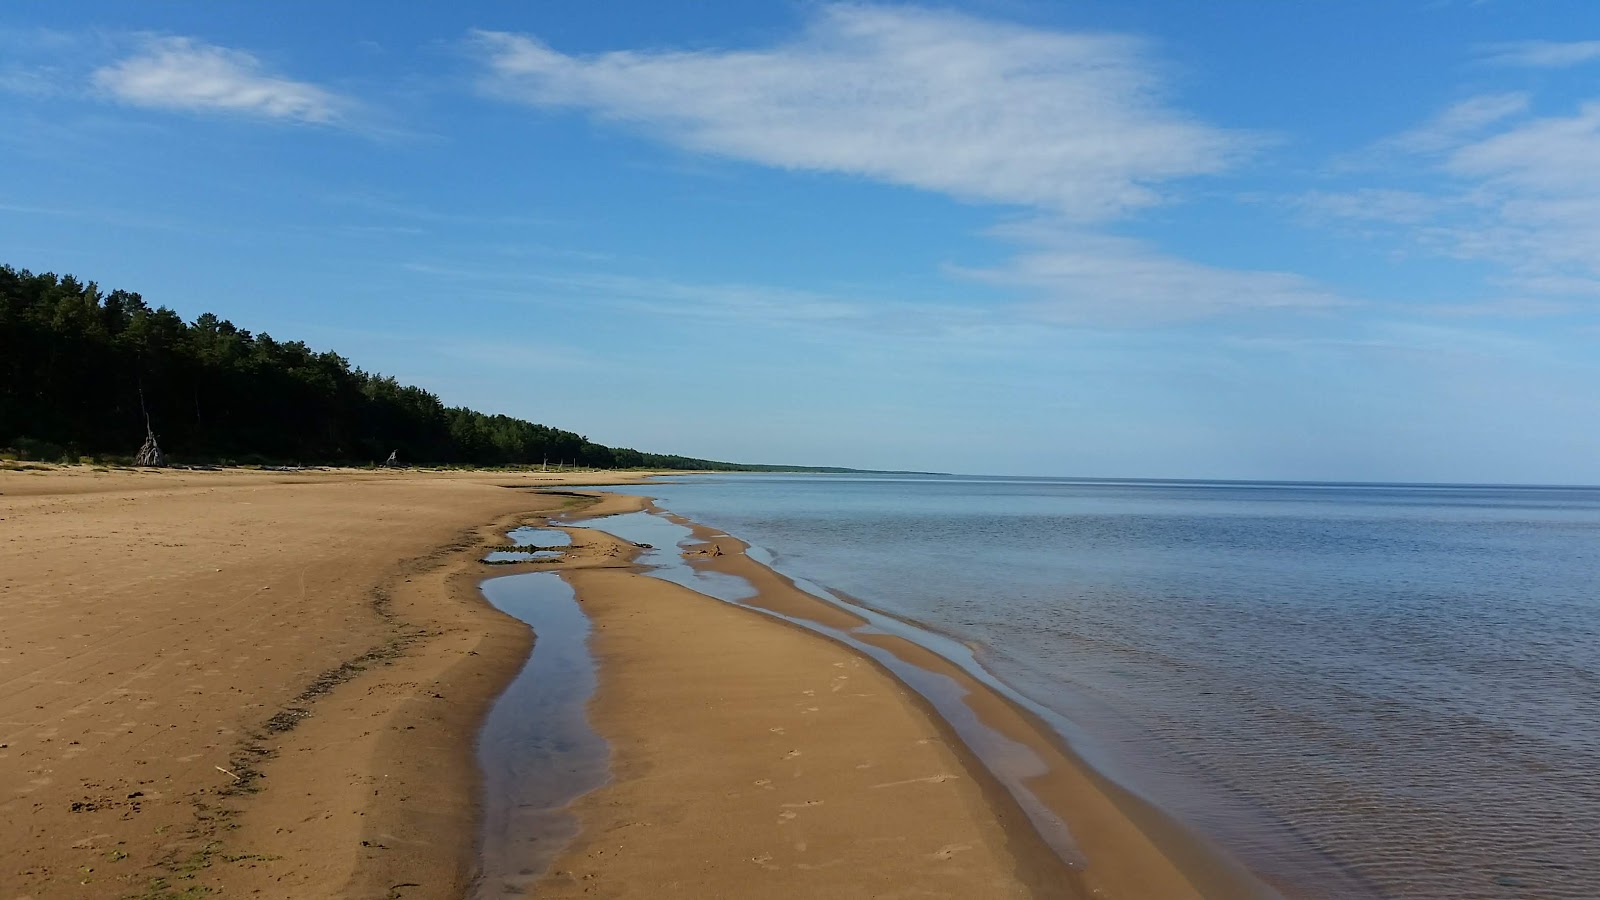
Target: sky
column 1331, row 240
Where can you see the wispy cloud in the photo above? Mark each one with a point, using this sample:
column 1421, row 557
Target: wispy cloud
column 983, row 111
column 1542, row 54
column 38, row 82
column 1458, row 121
column 663, row 296
column 833, row 317
column 1385, row 205
column 180, row 73
column 392, row 208
column 1502, row 187
column 1544, row 189
column 1088, row 279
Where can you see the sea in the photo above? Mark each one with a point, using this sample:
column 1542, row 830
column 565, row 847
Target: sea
column 1356, row 690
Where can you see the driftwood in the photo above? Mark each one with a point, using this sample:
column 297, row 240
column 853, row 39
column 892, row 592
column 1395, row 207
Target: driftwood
column 150, row 454
column 393, row 462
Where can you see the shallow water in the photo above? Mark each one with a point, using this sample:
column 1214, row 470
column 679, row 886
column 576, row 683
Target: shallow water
column 531, row 536
column 534, row 545
column 495, row 556
column 1397, row 683
column 537, row 751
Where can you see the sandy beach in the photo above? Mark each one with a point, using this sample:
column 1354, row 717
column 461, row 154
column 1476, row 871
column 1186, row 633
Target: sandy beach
column 269, row 685
column 256, row 683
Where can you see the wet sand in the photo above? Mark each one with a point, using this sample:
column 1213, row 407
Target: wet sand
column 752, row 757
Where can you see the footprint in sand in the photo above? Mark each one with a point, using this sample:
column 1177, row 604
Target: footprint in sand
column 809, row 693
column 764, row 783
column 791, row 754
column 948, row 851
column 785, row 816
column 776, row 730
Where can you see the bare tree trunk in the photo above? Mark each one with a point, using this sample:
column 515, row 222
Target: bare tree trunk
column 150, row 454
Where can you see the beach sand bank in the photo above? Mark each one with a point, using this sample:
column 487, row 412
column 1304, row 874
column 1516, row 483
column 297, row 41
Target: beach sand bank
column 752, row 757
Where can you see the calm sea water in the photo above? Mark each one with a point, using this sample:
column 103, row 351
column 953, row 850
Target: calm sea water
column 1388, row 691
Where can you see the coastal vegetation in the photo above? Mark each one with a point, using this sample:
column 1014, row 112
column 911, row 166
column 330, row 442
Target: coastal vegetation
column 82, row 371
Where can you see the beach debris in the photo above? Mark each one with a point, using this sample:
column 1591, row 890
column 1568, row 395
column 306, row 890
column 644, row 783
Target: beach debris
column 393, row 462
column 227, row 773
column 150, row 454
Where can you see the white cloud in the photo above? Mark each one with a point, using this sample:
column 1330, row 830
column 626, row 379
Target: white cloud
column 1089, row 279
column 1542, row 187
column 1070, row 125
column 1542, row 54
column 184, row 74
column 1517, row 191
column 982, row 111
column 1470, row 116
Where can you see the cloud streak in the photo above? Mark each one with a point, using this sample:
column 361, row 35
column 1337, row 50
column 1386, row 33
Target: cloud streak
column 981, row 111
column 182, row 74
column 1081, row 279
column 1542, row 54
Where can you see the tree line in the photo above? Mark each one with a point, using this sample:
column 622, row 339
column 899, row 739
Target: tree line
column 80, row 369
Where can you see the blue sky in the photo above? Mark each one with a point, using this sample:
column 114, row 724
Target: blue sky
column 1336, row 240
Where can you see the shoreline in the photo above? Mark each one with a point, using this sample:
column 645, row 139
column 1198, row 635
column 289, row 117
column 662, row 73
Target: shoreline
column 854, row 792
column 1128, row 849
column 1125, row 845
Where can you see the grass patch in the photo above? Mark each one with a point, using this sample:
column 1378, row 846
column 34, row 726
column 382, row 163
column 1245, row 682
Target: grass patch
column 12, row 466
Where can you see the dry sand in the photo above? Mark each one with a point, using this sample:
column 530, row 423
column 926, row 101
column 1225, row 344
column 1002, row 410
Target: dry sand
column 319, row 636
